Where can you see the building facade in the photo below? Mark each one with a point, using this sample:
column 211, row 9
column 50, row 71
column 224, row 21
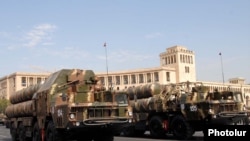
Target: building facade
column 177, row 64
column 19, row 80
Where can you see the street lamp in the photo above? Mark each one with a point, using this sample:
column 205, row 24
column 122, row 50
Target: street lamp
column 106, row 63
column 222, row 67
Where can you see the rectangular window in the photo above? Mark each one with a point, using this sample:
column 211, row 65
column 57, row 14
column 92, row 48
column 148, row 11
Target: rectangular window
column 148, row 77
column 39, row 80
column 168, row 76
column 166, row 60
column 125, row 79
column 156, row 76
column 24, row 83
column 133, row 81
column 118, row 81
column 110, row 80
column 141, row 78
column 14, row 82
column 186, row 69
column 31, row 82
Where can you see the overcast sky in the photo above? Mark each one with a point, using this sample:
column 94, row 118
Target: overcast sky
column 48, row 35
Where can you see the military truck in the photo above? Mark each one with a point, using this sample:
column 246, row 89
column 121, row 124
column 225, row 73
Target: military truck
column 181, row 111
column 71, row 104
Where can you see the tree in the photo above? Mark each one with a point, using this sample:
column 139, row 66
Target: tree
column 3, row 104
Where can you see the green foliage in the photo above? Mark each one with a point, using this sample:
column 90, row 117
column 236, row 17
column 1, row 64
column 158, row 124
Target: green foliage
column 3, row 104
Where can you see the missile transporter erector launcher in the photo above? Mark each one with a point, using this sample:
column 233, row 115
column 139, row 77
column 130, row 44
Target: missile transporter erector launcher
column 170, row 109
column 70, row 104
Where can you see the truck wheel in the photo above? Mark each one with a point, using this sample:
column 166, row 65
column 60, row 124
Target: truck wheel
column 21, row 133
column 52, row 134
column 13, row 132
column 181, row 129
column 155, row 127
column 36, row 133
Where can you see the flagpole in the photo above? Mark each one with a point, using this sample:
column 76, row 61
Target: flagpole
column 106, row 64
column 222, row 67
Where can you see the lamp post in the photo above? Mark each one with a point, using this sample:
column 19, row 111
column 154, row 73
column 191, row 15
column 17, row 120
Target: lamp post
column 106, row 63
column 222, row 67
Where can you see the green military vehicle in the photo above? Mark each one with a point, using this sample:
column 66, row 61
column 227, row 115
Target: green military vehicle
column 71, row 104
column 173, row 110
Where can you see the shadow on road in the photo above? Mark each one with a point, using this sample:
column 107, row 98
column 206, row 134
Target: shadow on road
column 168, row 137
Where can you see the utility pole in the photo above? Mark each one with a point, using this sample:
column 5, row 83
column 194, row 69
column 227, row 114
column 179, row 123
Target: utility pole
column 222, row 67
column 106, row 64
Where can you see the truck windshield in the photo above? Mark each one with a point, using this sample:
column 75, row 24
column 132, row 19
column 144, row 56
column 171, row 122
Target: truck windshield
column 121, row 99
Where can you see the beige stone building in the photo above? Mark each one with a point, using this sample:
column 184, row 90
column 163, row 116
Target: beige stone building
column 177, row 65
column 19, row 80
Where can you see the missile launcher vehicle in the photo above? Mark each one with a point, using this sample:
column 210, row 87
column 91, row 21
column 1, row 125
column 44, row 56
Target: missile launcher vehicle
column 173, row 109
column 71, row 104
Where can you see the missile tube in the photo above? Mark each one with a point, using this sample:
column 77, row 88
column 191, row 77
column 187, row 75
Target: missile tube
column 144, row 91
column 24, row 94
column 20, row 109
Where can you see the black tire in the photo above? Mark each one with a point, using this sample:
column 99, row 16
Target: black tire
column 22, row 133
column 13, row 132
column 181, row 129
column 52, row 134
column 155, row 127
column 36, row 134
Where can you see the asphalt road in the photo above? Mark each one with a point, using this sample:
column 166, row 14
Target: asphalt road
column 4, row 133
column 198, row 136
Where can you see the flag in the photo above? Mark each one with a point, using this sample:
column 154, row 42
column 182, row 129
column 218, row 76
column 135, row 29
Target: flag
column 219, row 53
column 104, row 44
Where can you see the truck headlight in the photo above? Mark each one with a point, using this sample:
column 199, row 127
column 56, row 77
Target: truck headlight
column 77, row 123
column 210, row 111
column 130, row 120
column 72, row 116
column 130, row 113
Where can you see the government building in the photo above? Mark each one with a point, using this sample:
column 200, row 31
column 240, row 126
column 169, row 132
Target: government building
column 19, row 80
column 177, row 65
